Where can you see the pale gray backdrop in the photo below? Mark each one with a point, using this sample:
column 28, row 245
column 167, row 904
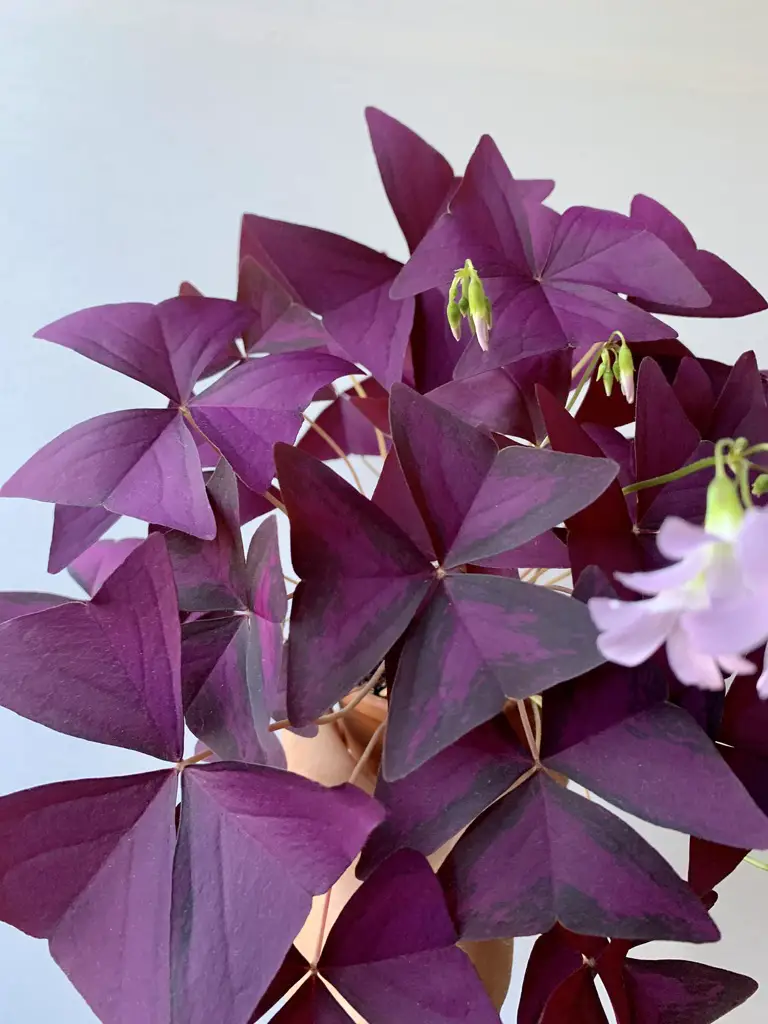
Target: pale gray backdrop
column 134, row 133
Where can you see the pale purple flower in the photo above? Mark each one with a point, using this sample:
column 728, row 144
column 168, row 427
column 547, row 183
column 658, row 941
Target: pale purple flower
column 709, row 606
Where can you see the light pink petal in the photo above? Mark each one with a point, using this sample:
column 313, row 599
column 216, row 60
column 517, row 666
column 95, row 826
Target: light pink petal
column 669, row 578
column 752, row 548
column 691, row 666
column 630, row 631
column 733, row 626
column 677, row 538
column 733, row 664
column 725, row 576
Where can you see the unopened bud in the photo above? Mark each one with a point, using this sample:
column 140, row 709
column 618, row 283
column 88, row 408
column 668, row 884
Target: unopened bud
column 760, row 486
column 626, row 371
column 454, row 319
column 479, row 309
column 481, row 327
column 724, row 509
column 464, row 305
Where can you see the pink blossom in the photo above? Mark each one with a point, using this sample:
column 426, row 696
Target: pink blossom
column 709, row 606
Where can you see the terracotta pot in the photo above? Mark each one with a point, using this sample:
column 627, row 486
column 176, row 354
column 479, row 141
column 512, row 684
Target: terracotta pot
column 330, row 758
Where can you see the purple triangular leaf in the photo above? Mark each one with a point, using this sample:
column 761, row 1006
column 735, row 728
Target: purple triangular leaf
column 546, row 551
column 105, row 670
column 22, row 602
column 255, row 844
column 741, row 392
column 416, row 178
column 694, row 392
column 546, row 296
column 165, row 346
column 342, row 421
column 226, row 697
column 74, row 530
column 140, row 462
column 100, row 560
column 484, row 636
column 293, row 968
column 266, row 585
column 210, row 574
column 731, row 294
column 544, row 854
column 87, row 865
column 280, row 324
column 674, row 991
column 392, row 495
column 687, row 786
column 361, row 582
column 343, row 281
column 392, row 951
column 259, row 403
column 435, row 802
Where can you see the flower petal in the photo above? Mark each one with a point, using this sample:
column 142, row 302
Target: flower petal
column 752, row 548
column 630, row 630
column 691, row 666
column 735, row 625
column 671, row 577
column 734, row 664
column 677, row 537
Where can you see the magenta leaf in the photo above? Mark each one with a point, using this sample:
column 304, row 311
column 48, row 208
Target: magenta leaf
column 668, row 991
column 87, row 865
column 141, row 462
column 259, row 403
column 108, row 669
column 100, row 560
column 347, row 424
column 731, row 294
column 417, row 179
column 280, row 323
column 165, row 346
column 231, row 656
column 255, row 844
column 544, row 854
column 548, row 293
column 361, row 582
column 74, row 530
column 392, row 951
column 345, row 282
column 436, row 801
column 480, row 640
column 24, row 602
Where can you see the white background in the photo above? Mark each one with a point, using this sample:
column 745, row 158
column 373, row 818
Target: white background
column 134, row 133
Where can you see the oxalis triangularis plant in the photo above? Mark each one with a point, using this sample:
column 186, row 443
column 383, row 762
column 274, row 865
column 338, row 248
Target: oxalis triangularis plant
column 557, row 591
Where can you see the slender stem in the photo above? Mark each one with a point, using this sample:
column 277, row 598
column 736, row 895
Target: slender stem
column 337, row 449
column 756, row 863
column 667, row 478
column 290, row 579
column 585, row 358
column 560, row 576
column 530, row 739
column 333, row 716
column 195, row 759
column 321, row 931
column 536, row 724
column 274, row 501
column 380, row 440
column 366, row 754
column 585, row 378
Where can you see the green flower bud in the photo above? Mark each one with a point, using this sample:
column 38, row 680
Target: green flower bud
column 464, row 305
column 454, row 319
column 760, row 486
column 626, row 371
column 724, row 509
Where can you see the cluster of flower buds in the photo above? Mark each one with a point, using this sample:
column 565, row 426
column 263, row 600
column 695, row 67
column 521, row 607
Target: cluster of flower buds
column 473, row 304
column 622, row 369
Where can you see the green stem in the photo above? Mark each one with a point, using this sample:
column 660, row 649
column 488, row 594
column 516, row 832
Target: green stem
column 589, row 370
column 667, row 478
column 756, row 863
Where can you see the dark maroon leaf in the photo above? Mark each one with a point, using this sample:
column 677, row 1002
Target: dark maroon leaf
column 709, row 863
column 293, row 968
column 676, row 991
column 486, row 637
column 105, row 670
column 87, row 865
column 435, row 802
column 74, row 530
column 345, row 424
column 544, row 854
column 552, row 961
column 693, row 390
column 255, row 844
column 312, row 1004
column 392, row 495
column 745, row 716
column 392, row 951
